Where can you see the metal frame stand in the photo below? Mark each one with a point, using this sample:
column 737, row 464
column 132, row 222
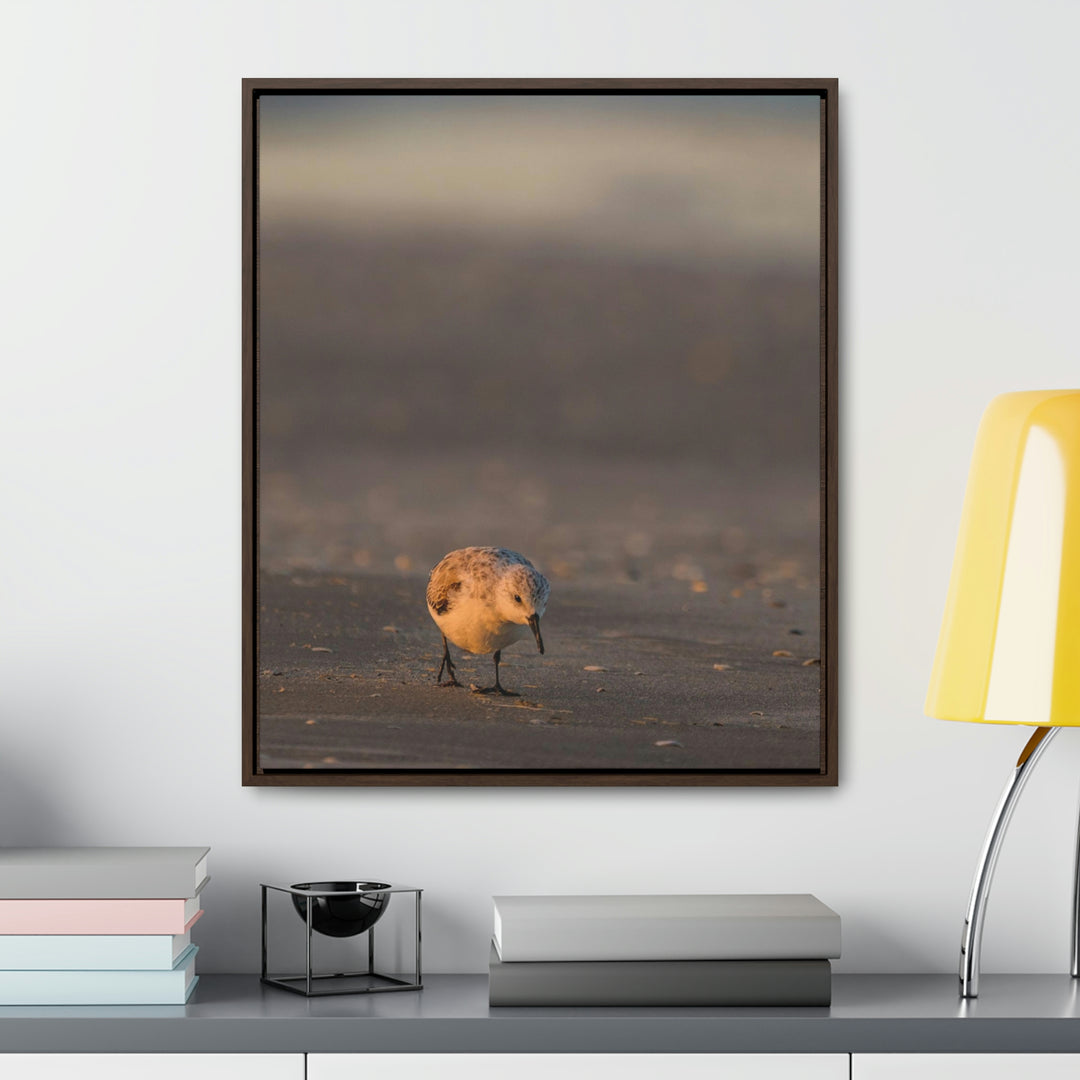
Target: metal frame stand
column 971, row 942
column 343, row 982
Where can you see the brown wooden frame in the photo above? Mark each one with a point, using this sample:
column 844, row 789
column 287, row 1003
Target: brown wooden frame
column 827, row 773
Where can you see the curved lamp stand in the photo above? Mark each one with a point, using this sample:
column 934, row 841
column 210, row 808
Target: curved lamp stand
column 971, row 945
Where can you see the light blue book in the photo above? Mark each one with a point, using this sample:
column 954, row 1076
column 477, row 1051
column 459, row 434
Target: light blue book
column 91, row 952
column 170, row 987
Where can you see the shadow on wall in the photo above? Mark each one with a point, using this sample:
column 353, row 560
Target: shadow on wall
column 881, row 946
column 28, row 815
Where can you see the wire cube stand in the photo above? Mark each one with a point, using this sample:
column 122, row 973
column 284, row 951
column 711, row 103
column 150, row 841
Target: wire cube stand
column 343, row 982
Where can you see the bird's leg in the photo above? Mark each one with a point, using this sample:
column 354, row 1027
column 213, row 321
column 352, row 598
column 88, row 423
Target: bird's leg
column 499, row 685
column 448, row 664
column 498, row 688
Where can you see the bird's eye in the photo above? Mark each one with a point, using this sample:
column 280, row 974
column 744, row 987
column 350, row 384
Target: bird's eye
column 517, row 599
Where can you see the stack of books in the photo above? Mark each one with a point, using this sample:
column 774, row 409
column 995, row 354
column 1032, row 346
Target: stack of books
column 99, row 926
column 724, row 950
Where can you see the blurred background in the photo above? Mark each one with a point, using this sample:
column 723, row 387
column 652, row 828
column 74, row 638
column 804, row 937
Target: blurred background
column 581, row 326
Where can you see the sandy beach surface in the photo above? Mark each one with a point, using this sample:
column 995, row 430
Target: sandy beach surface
column 635, row 676
column 636, row 416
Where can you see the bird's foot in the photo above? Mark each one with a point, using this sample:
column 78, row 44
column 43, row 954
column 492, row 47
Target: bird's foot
column 494, row 690
column 447, row 685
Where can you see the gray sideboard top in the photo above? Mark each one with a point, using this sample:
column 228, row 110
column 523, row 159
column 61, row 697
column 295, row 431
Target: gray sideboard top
column 869, row 1014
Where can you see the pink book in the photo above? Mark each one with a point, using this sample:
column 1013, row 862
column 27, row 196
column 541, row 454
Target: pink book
column 98, row 916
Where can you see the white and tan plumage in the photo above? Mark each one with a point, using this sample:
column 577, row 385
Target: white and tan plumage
column 483, row 599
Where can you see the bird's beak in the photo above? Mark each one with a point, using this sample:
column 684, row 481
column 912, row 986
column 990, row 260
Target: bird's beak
column 534, row 622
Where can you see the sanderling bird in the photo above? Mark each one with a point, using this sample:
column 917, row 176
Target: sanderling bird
column 484, row 599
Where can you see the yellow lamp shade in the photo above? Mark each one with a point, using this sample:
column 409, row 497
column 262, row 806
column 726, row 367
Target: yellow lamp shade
column 1009, row 649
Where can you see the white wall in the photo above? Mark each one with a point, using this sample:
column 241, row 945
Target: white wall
column 120, row 444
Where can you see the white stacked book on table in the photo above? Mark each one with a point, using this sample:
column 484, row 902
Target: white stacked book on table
column 733, row 949
column 99, row 926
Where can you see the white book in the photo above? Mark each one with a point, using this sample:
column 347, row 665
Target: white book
column 102, row 873
column 750, row 926
column 91, row 952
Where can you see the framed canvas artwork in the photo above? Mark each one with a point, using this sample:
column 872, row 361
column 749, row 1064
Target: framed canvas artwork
column 540, row 432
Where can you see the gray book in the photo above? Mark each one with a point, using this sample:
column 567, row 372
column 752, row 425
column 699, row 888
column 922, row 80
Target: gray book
column 659, row 983
column 750, row 926
column 102, row 873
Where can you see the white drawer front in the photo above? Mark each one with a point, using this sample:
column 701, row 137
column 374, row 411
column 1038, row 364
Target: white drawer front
column 965, row 1066
column 578, row 1066
column 152, row 1066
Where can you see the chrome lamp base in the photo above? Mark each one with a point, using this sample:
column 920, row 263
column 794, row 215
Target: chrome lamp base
column 971, row 943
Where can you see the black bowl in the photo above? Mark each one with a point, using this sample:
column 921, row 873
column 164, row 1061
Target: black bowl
column 342, row 916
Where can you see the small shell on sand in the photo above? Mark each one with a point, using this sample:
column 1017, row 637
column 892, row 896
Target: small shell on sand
column 594, row 667
column 815, row 662
column 721, row 667
column 668, row 742
column 320, row 648
column 782, row 652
